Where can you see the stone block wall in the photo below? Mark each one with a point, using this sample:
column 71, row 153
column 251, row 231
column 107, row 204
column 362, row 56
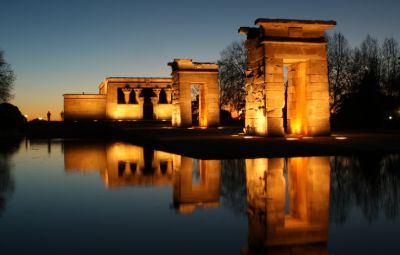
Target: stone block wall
column 84, row 107
column 163, row 111
column 255, row 120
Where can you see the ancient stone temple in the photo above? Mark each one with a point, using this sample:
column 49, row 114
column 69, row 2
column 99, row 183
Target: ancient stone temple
column 122, row 98
column 302, row 106
column 132, row 98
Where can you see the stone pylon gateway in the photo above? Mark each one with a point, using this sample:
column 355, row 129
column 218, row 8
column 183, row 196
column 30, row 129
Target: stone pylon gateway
column 300, row 46
column 185, row 74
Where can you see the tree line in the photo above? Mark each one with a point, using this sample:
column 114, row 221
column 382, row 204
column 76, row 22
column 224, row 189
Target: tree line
column 364, row 81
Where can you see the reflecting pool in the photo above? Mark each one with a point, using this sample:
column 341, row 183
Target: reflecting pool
column 93, row 197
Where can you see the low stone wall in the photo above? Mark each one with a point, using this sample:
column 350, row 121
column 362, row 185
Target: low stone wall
column 84, row 107
column 125, row 111
column 163, row 111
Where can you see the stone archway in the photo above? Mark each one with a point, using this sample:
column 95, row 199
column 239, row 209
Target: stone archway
column 301, row 46
column 186, row 73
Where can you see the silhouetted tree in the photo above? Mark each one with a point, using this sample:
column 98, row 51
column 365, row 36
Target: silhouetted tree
column 339, row 54
column 368, row 99
column 7, row 78
column 232, row 67
column 10, row 117
column 390, row 67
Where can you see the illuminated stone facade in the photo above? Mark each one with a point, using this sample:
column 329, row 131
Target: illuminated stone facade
column 300, row 46
column 186, row 74
column 123, row 98
column 129, row 98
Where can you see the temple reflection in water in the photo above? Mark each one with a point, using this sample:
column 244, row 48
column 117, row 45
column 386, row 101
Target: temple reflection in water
column 287, row 199
column 288, row 204
column 196, row 183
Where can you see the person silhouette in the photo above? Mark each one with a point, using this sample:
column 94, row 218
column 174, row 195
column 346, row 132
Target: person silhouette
column 48, row 115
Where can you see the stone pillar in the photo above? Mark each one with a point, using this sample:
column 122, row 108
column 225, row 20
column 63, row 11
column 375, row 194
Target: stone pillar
column 127, row 92
column 155, row 100
column 137, row 93
column 127, row 170
column 274, row 96
column 297, row 102
column 176, row 110
column 169, row 167
column 157, row 92
column 317, row 97
column 255, row 119
column 168, row 93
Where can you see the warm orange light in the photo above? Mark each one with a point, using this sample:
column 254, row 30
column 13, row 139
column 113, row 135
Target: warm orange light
column 299, row 124
column 203, row 106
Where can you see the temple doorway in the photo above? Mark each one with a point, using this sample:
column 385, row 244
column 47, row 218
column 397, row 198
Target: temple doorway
column 199, row 106
column 148, row 110
column 195, row 95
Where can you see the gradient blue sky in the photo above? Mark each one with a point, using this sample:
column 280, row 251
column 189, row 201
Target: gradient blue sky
column 58, row 47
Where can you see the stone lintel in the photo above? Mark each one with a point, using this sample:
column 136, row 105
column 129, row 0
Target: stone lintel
column 291, row 30
column 291, row 22
column 189, row 65
column 145, row 82
column 251, row 32
column 291, row 40
column 138, row 79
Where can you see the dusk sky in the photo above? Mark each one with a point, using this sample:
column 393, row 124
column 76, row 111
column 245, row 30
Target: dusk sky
column 57, row 47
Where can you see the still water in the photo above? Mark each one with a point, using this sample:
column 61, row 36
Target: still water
column 71, row 197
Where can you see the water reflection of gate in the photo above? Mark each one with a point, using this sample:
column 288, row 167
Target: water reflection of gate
column 288, row 204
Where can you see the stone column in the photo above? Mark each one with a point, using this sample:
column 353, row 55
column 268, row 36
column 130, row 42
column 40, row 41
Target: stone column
column 168, row 93
column 317, row 96
column 155, row 100
column 255, row 119
column 157, row 92
column 137, row 93
column 140, row 101
column 274, row 96
column 127, row 92
column 127, row 170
